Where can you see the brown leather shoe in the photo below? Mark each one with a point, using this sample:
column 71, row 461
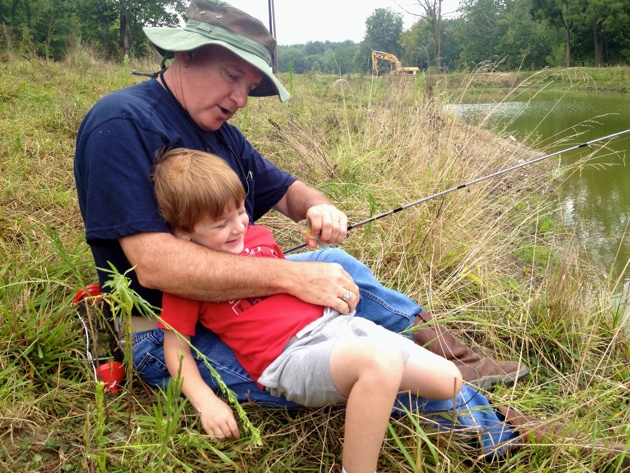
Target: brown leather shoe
column 487, row 372
column 476, row 370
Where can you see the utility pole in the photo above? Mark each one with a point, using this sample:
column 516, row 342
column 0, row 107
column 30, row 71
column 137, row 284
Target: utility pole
column 272, row 30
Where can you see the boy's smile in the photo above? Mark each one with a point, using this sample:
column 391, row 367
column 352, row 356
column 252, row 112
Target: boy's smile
column 225, row 234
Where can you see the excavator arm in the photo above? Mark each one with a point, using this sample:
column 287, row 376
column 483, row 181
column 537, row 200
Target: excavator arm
column 376, row 55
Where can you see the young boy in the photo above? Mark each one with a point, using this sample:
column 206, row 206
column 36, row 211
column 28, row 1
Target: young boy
column 309, row 354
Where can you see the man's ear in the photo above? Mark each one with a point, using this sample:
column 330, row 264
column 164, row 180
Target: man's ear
column 186, row 57
column 181, row 234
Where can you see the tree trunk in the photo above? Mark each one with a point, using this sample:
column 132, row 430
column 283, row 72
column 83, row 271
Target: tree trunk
column 125, row 32
column 567, row 29
column 433, row 14
column 7, row 35
column 49, row 36
column 438, row 37
column 599, row 46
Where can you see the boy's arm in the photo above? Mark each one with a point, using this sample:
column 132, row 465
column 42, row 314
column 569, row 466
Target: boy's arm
column 217, row 417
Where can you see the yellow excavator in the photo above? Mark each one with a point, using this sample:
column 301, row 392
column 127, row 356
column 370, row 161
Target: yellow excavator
column 398, row 68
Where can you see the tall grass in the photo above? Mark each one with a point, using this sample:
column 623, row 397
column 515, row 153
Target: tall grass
column 491, row 262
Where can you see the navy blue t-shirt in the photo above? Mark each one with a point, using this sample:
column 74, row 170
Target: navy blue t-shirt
column 115, row 152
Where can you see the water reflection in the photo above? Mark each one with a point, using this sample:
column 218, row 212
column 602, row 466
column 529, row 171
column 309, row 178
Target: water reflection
column 596, row 194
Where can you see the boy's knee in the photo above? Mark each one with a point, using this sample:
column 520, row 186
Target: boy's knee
column 453, row 381
column 384, row 359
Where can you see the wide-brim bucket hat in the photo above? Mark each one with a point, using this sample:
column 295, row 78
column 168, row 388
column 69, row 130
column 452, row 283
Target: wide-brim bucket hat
column 219, row 23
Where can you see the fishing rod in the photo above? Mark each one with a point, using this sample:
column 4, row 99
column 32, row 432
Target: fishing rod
column 466, row 184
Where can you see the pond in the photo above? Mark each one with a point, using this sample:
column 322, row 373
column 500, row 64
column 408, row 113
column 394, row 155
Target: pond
column 595, row 196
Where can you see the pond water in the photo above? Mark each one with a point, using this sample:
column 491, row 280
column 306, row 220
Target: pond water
column 596, row 195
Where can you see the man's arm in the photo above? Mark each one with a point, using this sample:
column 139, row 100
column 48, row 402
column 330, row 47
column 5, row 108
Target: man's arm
column 189, row 270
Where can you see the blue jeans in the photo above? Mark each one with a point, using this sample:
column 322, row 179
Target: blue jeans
column 384, row 306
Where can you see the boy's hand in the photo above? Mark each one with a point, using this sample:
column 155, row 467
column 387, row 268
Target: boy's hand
column 218, row 419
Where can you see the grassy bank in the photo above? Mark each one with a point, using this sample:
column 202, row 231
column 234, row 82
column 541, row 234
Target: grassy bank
column 590, row 79
column 486, row 261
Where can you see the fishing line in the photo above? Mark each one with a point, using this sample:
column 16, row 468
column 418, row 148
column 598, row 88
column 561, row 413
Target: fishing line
column 474, row 181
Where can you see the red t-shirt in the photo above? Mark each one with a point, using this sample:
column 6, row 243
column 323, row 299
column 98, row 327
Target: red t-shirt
column 256, row 329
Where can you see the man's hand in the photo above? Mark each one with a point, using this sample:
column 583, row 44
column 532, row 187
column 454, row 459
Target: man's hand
column 325, row 284
column 217, row 418
column 328, row 222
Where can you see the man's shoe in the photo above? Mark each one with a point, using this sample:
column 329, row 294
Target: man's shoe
column 476, row 370
column 487, row 372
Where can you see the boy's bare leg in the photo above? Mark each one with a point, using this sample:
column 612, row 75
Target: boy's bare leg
column 369, row 375
column 429, row 375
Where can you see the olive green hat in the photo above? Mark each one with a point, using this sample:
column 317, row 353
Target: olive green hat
column 217, row 22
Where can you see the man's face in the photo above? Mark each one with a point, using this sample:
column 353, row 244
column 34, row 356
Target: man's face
column 215, row 83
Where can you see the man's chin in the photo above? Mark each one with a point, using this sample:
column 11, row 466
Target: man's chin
column 213, row 127
column 212, row 124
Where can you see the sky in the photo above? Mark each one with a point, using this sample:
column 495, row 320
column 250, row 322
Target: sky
column 298, row 22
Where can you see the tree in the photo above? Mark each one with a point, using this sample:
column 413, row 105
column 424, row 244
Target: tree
column 617, row 27
column 44, row 27
column 563, row 13
column 117, row 24
column 56, row 28
column 343, row 55
column 382, row 31
column 134, row 14
column 291, row 55
column 97, row 18
column 433, row 16
column 479, row 33
column 314, row 48
column 417, row 44
column 608, row 23
column 522, row 41
column 450, row 47
column 362, row 60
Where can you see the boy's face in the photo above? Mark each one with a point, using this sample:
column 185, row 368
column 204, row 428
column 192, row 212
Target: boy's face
column 225, row 234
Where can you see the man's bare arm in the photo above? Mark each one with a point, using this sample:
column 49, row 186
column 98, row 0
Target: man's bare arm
column 189, row 270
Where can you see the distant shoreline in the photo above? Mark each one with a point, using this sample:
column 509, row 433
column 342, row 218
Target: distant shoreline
column 591, row 79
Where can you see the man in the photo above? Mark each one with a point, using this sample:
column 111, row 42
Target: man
column 221, row 57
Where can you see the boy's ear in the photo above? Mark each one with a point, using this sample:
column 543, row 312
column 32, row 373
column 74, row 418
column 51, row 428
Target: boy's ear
column 181, row 234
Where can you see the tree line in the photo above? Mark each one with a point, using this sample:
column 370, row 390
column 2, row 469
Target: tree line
column 110, row 28
column 526, row 34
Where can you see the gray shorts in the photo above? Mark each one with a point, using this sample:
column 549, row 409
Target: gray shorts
column 302, row 371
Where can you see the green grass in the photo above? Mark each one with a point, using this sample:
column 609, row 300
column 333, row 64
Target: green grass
column 490, row 261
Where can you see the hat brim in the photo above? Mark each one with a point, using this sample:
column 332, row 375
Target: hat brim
column 177, row 40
